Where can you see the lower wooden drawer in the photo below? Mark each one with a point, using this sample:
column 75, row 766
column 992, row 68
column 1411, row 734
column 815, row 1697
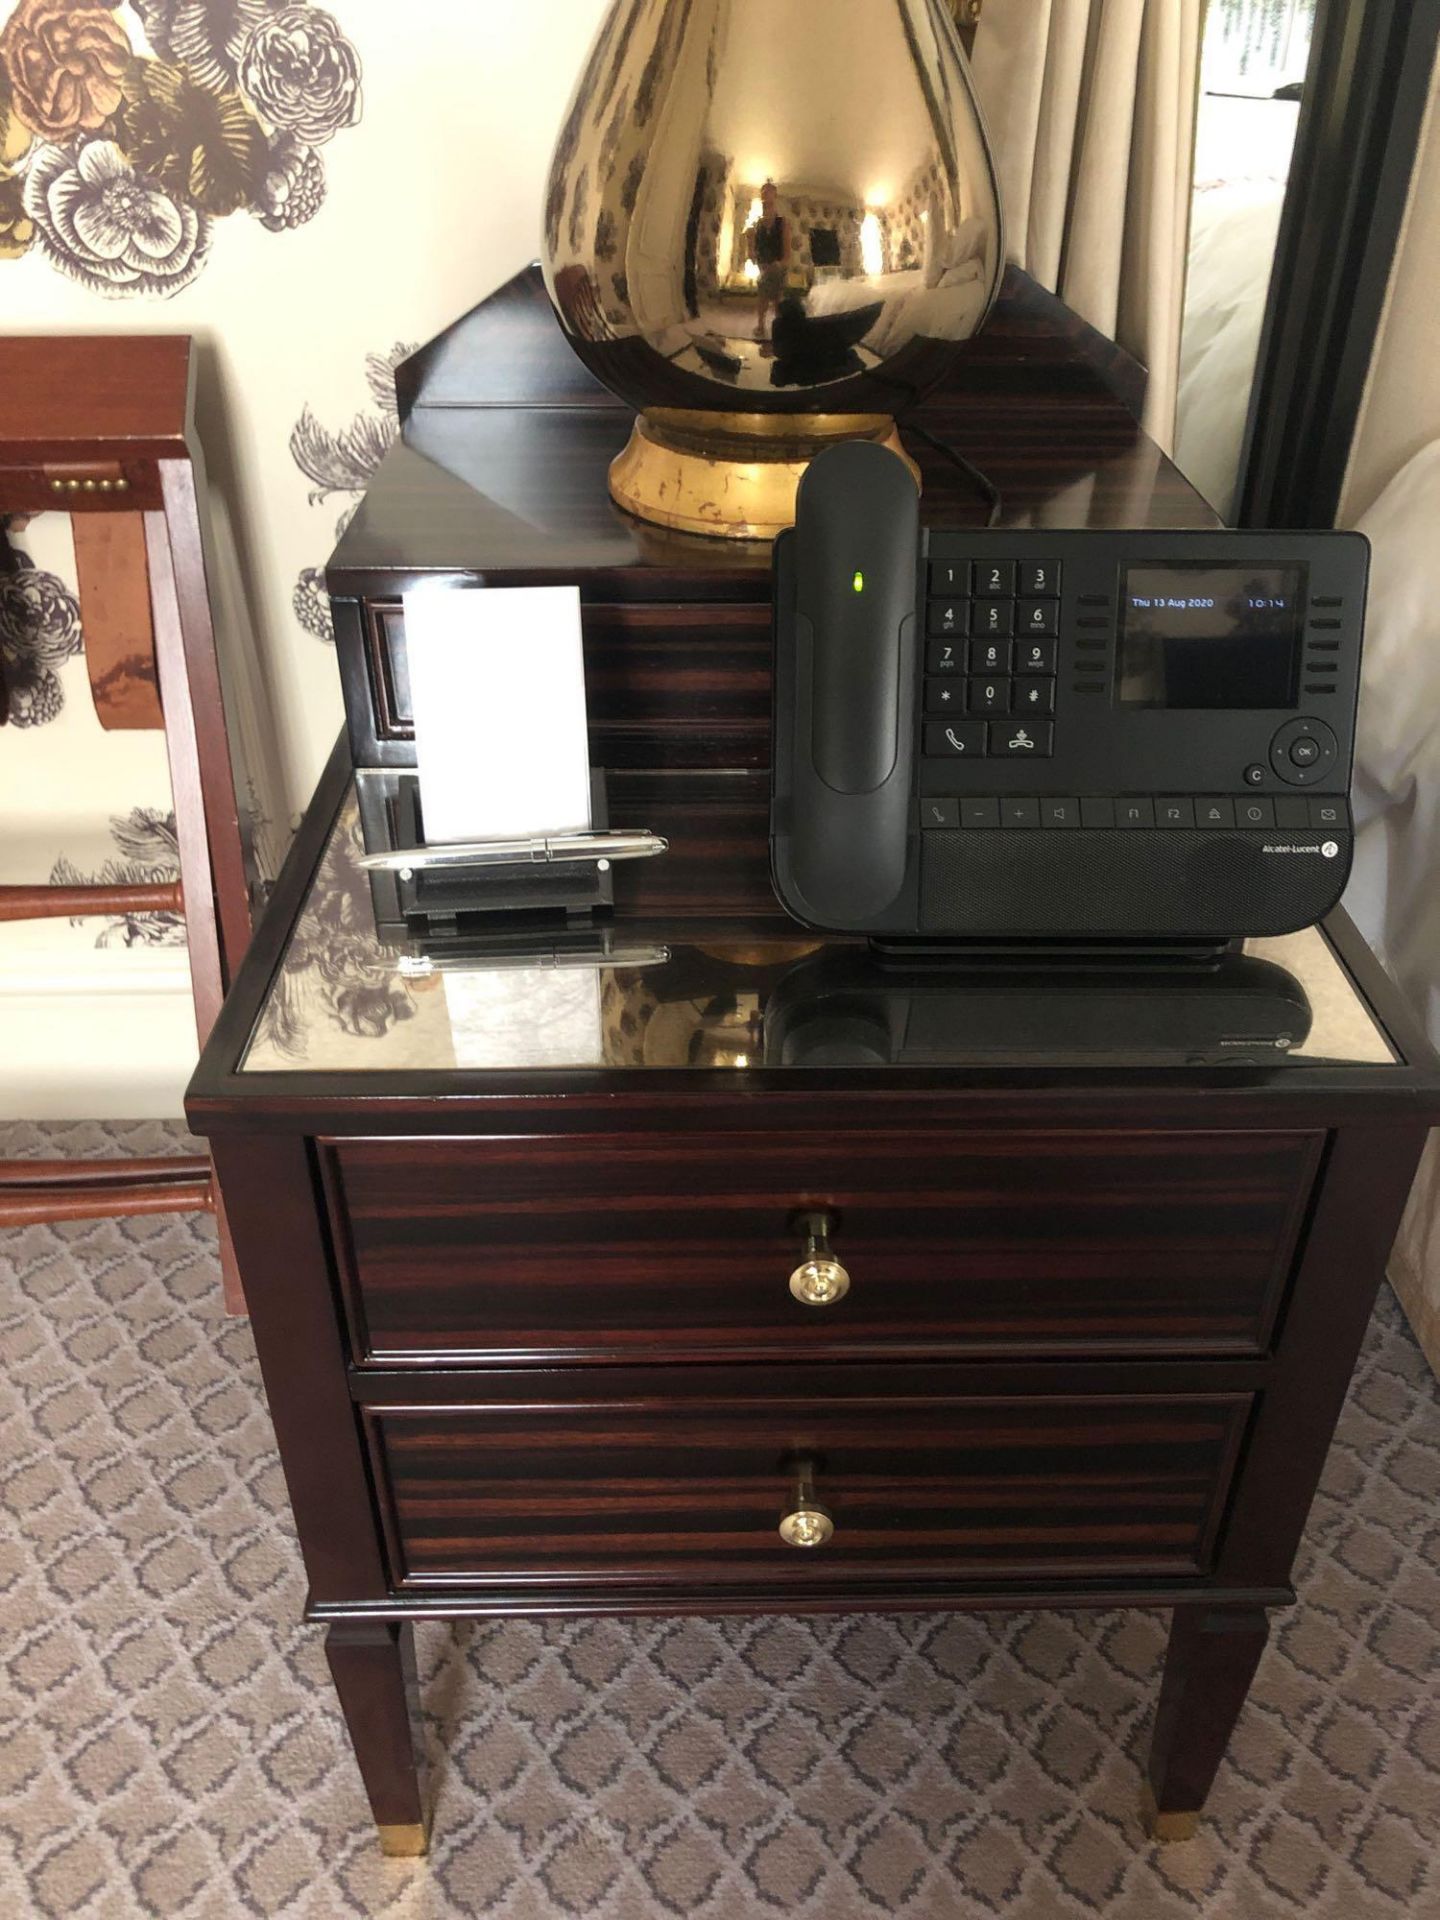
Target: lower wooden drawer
column 639, row 1491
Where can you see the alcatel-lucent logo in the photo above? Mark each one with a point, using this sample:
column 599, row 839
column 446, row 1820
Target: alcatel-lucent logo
column 1327, row 849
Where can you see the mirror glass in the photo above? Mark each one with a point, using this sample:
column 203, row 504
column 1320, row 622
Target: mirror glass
column 1252, row 80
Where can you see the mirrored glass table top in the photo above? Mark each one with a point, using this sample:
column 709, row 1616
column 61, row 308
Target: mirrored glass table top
column 344, row 1001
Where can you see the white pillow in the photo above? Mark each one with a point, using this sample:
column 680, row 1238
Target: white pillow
column 935, row 261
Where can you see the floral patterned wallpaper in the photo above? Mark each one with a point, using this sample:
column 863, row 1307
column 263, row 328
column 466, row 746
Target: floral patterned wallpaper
column 301, row 187
column 39, row 632
column 128, row 132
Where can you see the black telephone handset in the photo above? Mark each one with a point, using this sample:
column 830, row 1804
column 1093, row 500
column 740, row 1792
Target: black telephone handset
column 846, row 686
column 1056, row 734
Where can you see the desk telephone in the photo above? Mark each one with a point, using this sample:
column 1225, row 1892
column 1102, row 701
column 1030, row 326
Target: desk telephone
column 1047, row 734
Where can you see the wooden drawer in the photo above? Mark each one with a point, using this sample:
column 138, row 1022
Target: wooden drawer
column 606, row 1487
column 628, row 1247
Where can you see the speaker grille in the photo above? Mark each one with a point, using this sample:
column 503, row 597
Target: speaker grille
column 1173, row 883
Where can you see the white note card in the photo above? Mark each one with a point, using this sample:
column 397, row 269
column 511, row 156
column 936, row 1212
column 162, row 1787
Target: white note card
column 497, row 688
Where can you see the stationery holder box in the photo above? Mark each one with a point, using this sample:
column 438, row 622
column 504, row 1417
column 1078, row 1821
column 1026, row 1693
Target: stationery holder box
column 449, row 902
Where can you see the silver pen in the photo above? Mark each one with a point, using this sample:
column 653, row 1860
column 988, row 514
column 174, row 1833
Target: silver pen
column 539, row 851
column 418, row 966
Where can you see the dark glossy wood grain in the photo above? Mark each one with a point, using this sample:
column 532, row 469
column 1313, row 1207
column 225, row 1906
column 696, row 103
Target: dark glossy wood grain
column 509, row 352
column 372, row 1663
column 1367, row 1177
column 667, row 684
column 279, row 1238
column 1209, row 1664
column 658, row 1489
column 614, row 1248
column 502, row 478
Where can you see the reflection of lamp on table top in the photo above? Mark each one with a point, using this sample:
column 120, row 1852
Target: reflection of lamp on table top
column 863, row 119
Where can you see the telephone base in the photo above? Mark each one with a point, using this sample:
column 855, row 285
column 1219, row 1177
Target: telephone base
column 1088, row 955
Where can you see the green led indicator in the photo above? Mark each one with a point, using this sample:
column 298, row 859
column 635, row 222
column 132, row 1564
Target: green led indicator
column 858, row 581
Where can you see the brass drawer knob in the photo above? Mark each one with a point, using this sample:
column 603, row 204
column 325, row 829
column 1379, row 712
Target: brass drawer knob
column 805, row 1523
column 819, row 1280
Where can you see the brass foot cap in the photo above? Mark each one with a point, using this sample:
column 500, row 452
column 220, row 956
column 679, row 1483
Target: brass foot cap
column 403, row 1843
column 1166, row 1826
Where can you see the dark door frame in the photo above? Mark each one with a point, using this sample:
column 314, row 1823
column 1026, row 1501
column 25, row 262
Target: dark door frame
column 1355, row 147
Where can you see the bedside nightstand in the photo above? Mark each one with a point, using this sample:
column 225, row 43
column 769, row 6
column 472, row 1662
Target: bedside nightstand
column 712, row 1282
column 579, row 1291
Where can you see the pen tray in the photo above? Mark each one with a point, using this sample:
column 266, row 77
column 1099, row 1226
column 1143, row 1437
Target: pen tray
column 454, row 899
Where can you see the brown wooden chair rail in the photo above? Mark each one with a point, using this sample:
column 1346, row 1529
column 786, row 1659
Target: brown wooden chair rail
column 102, row 429
column 32, row 1191
column 78, row 903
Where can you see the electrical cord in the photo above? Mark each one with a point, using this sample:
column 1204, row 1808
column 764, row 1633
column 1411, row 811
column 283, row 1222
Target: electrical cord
column 980, row 480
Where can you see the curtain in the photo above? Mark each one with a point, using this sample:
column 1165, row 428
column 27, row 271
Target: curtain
column 1091, row 111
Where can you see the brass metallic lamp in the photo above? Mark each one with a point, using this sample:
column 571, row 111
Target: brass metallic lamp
column 767, row 225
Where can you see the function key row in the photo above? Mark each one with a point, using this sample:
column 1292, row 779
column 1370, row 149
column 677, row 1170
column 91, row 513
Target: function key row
column 1288, row 811
column 998, row 579
column 990, row 656
column 999, row 617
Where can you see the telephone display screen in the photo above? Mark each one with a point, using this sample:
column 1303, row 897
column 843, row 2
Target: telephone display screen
column 1194, row 637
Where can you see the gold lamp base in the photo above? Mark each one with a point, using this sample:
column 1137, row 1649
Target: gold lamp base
column 731, row 475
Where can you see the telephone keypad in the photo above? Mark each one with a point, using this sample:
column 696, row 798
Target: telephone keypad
column 989, row 696
column 994, row 579
column 1035, row 656
column 992, row 616
column 1009, row 612
column 1037, row 616
column 989, row 656
column 1022, row 739
column 955, row 739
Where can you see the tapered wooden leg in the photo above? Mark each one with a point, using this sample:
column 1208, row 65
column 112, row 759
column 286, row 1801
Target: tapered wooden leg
column 1210, row 1662
column 373, row 1666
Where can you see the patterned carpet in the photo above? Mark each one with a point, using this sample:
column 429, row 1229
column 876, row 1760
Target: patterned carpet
column 169, row 1744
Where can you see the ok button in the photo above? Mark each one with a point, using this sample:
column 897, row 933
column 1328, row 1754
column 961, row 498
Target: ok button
column 1305, row 752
